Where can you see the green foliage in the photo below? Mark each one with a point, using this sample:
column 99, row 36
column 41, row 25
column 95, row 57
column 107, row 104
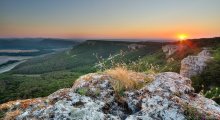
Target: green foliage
column 2, row 114
column 129, row 57
column 42, row 76
column 80, row 59
column 87, row 92
column 82, row 91
column 192, row 113
column 214, row 94
column 17, row 86
column 209, row 80
column 149, row 62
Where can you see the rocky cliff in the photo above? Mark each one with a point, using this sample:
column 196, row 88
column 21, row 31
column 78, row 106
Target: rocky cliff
column 171, row 49
column 93, row 97
column 193, row 65
column 135, row 46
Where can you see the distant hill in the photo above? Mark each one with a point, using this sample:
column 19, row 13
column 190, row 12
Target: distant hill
column 83, row 56
column 36, row 43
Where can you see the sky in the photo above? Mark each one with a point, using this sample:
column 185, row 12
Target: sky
column 109, row 19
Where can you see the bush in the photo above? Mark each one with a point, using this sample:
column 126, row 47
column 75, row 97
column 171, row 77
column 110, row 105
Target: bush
column 208, row 81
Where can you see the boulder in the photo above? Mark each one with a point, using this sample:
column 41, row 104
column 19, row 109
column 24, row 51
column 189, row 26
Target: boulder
column 168, row 97
column 194, row 65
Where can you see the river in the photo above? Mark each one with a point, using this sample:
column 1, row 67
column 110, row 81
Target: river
column 9, row 67
column 21, row 59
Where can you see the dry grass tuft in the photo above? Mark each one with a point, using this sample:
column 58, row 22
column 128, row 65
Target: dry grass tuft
column 126, row 79
column 12, row 115
column 123, row 79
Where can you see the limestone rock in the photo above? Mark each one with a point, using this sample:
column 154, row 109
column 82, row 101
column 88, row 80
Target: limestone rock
column 193, row 65
column 135, row 46
column 171, row 49
column 92, row 97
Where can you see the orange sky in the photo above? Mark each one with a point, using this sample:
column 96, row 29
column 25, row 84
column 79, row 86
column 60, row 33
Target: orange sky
column 110, row 19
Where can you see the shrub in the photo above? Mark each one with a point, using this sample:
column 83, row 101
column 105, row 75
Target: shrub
column 214, row 94
column 209, row 80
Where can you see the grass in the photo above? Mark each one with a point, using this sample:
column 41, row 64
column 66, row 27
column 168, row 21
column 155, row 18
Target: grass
column 192, row 113
column 82, row 91
column 208, row 81
column 124, row 79
column 151, row 63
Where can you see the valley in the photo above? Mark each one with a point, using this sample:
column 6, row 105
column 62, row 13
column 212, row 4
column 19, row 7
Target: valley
column 61, row 68
column 39, row 76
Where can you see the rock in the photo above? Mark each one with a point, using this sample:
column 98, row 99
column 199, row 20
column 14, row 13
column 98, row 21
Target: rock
column 194, row 65
column 171, row 49
column 135, row 46
column 169, row 60
column 169, row 96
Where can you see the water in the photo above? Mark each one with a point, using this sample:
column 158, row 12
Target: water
column 21, row 59
column 9, row 67
column 4, row 59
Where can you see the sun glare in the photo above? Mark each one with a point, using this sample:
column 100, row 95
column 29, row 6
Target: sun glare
column 182, row 37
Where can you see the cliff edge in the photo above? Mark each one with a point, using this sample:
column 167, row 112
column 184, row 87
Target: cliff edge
column 94, row 97
column 194, row 65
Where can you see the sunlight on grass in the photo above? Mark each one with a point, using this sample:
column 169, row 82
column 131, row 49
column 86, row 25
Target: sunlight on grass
column 126, row 79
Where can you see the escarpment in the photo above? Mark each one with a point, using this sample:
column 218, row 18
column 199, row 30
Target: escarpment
column 169, row 50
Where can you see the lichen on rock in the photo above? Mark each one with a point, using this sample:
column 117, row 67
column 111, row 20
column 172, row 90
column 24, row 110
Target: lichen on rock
column 93, row 97
column 194, row 65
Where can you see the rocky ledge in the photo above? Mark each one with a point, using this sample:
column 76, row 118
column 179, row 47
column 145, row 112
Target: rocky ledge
column 135, row 46
column 168, row 97
column 169, row 50
column 194, row 65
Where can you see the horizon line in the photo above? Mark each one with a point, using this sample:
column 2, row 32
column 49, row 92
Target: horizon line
column 102, row 38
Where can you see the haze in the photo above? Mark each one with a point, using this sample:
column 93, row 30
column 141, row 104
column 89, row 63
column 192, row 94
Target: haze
column 109, row 18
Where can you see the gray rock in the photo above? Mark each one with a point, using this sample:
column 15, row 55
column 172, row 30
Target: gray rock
column 92, row 97
column 135, row 46
column 171, row 49
column 194, row 65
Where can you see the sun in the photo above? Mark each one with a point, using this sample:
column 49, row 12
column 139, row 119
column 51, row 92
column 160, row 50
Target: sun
column 182, row 37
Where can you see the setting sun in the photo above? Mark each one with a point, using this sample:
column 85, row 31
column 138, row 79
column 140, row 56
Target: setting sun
column 182, row 37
